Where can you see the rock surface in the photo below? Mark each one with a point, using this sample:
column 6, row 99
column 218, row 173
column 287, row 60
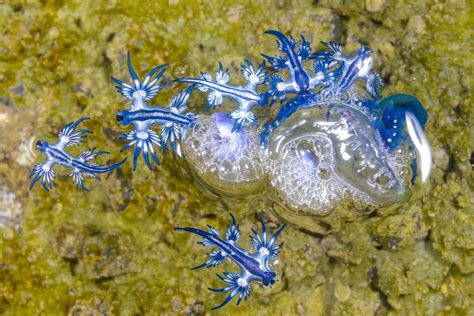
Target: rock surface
column 113, row 250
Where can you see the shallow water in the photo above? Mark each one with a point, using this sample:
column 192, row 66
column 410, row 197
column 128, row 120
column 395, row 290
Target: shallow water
column 113, row 250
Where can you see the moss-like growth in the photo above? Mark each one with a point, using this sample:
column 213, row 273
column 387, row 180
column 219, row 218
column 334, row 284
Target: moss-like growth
column 113, row 250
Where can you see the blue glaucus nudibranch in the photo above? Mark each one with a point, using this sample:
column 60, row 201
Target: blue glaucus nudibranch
column 57, row 155
column 143, row 117
column 253, row 266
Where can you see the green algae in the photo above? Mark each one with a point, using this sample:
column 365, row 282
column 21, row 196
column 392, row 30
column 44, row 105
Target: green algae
column 113, row 250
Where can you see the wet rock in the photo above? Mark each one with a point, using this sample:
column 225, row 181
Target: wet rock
column 197, row 309
column 430, row 274
column 414, row 29
column 68, row 241
column 10, row 209
column 328, row 20
column 342, row 292
column 87, row 308
column 454, row 239
column 374, row 5
column 107, row 255
column 394, row 242
column 6, row 101
column 361, row 301
column 234, row 13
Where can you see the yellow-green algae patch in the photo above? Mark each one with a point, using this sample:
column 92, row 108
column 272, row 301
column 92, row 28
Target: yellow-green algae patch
column 113, row 251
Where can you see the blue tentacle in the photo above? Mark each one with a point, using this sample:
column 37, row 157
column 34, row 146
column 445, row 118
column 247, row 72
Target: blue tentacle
column 96, row 169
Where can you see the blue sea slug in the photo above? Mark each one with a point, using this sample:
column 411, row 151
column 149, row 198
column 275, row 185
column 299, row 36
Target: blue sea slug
column 57, row 155
column 334, row 74
column 253, row 266
column 246, row 96
column 142, row 116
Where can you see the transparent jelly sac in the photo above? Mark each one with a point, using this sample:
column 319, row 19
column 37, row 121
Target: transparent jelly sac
column 320, row 157
column 229, row 163
column 331, row 152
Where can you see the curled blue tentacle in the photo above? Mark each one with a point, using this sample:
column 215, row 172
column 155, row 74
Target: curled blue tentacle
column 402, row 124
column 393, row 124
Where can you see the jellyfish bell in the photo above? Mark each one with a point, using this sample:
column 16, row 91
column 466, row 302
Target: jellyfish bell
column 227, row 162
column 331, row 152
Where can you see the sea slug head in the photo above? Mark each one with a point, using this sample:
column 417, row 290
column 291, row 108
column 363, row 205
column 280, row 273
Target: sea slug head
column 268, row 278
column 123, row 117
column 119, row 118
column 41, row 145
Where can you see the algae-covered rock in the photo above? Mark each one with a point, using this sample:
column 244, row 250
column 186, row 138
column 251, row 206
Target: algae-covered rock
column 68, row 241
column 107, row 255
column 10, row 209
column 95, row 308
column 113, row 250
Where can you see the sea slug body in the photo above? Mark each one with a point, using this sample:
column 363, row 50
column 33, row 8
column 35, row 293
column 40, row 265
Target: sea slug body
column 57, row 155
column 254, row 267
column 172, row 119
